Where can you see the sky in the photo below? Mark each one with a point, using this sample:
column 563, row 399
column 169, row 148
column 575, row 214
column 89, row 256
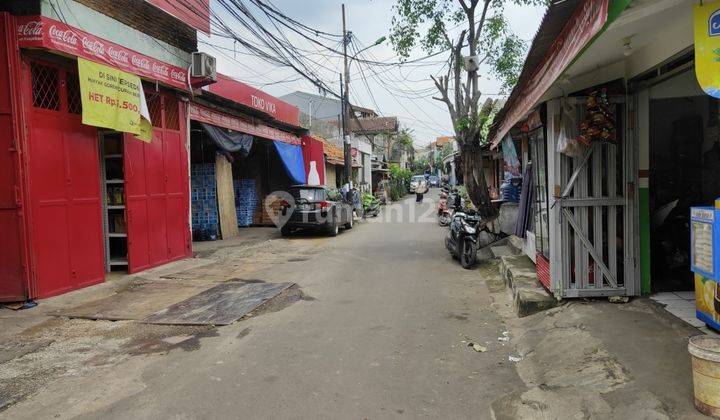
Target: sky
column 400, row 90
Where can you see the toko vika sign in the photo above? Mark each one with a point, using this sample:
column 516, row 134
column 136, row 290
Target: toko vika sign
column 252, row 97
column 42, row 32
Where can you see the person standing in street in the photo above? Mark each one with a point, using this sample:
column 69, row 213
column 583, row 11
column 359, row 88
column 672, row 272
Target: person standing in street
column 420, row 191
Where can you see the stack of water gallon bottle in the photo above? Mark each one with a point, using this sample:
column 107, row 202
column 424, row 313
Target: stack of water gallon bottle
column 246, row 200
column 204, row 202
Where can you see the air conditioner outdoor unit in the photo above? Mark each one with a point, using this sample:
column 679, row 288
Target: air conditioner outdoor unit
column 471, row 63
column 203, row 66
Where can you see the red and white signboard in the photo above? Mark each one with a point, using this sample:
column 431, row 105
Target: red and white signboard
column 255, row 98
column 195, row 13
column 42, row 32
column 221, row 119
column 586, row 22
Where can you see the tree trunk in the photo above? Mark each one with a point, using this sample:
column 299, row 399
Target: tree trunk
column 474, row 178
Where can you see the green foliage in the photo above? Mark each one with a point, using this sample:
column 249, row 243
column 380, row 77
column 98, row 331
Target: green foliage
column 420, row 165
column 446, row 150
column 410, row 15
column 487, row 117
column 499, row 49
column 399, row 182
column 368, row 199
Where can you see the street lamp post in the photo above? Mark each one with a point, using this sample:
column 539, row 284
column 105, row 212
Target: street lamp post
column 345, row 95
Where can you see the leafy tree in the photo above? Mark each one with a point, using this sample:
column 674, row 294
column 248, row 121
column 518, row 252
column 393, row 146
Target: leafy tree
column 487, row 36
column 389, row 143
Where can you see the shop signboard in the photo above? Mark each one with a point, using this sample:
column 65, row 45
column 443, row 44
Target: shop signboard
column 221, row 119
column 114, row 99
column 707, row 46
column 255, row 98
column 43, row 32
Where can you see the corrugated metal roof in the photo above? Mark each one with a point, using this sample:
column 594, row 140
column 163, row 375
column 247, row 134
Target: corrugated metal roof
column 556, row 16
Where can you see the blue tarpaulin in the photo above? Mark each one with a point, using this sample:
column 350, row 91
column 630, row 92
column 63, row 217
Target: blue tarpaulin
column 292, row 158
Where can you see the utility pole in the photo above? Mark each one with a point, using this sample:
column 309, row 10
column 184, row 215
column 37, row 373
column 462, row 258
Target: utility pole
column 345, row 106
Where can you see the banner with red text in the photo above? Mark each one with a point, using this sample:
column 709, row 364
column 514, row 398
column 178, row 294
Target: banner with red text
column 42, row 32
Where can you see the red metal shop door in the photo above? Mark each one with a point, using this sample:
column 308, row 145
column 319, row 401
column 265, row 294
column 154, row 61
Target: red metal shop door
column 64, row 181
column 13, row 278
column 156, row 189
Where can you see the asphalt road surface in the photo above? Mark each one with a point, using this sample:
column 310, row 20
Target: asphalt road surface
column 381, row 332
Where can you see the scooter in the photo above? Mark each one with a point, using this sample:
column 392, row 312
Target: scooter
column 443, row 211
column 462, row 238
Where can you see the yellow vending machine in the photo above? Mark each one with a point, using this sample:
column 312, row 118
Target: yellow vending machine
column 705, row 262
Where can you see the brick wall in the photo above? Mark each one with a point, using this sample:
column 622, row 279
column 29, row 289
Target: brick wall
column 147, row 18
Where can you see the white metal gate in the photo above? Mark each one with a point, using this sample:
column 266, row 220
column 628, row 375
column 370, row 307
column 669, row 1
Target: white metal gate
column 595, row 213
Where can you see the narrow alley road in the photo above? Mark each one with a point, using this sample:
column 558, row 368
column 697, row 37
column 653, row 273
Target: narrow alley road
column 381, row 332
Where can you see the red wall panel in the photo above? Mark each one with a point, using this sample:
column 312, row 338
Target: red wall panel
column 314, row 150
column 14, row 283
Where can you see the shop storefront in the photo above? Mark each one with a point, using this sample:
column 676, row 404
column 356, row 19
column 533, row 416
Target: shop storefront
column 236, row 163
column 631, row 146
column 80, row 200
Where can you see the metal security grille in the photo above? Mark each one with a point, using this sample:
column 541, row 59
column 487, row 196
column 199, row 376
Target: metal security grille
column 155, row 109
column 45, row 81
column 73, row 93
column 595, row 209
column 172, row 113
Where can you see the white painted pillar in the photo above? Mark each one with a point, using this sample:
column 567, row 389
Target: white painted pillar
column 554, row 189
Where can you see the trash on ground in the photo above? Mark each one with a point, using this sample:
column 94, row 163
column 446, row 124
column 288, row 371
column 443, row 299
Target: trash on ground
column 477, row 347
column 514, row 359
column 504, row 339
column 16, row 306
column 619, row 299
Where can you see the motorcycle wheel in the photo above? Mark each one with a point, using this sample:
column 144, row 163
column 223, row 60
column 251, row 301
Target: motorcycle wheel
column 468, row 254
column 443, row 219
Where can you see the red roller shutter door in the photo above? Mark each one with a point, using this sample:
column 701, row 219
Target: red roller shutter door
column 156, row 187
column 64, row 182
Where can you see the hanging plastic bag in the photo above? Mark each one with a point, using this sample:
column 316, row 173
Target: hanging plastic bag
column 567, row 143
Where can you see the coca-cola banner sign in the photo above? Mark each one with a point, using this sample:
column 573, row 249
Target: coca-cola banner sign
column 42, row 32
column 221, row 119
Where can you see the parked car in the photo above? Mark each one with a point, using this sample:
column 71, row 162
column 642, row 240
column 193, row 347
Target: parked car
column 433, row 181
column 415, row 181
column 316, row 207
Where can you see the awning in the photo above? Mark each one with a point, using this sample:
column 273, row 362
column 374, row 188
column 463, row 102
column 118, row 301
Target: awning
column 42, row 32
column 584, row 24
column 229, row 140
column 292, row 159
column 221, row 119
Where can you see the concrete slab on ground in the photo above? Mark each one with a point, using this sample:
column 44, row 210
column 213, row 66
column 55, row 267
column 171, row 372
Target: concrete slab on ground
column 529, row 296
column 220, row 305
column 137, row 301
column 501, row 251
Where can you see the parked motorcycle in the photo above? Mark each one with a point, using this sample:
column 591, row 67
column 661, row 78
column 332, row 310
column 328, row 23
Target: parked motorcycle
column 444, row 213
column 462, row 237
column 371, row 205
